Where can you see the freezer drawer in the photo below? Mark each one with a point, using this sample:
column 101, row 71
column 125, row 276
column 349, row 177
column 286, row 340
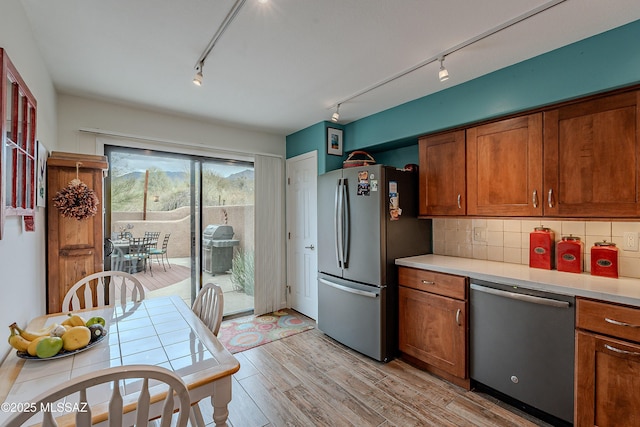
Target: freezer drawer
column 352, row 314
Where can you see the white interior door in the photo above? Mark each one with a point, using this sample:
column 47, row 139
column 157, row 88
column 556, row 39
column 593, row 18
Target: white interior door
column 302, row 258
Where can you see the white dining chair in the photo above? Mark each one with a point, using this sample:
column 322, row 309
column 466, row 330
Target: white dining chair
column 176, row 393
column 122, row 287
column 209, row 306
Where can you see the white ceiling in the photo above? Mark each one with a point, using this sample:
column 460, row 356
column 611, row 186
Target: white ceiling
column 281, row 66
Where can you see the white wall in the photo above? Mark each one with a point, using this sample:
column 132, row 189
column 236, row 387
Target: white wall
column 75, row 113
column 22, row 254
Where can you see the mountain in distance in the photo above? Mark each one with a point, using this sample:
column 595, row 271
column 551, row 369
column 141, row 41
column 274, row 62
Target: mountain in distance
column 179, row 176
column 247, row 173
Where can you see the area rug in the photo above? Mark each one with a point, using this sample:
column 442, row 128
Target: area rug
column 252, row 331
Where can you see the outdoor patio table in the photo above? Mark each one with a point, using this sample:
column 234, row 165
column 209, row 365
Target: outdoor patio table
column 160, row 331
column 122, row 246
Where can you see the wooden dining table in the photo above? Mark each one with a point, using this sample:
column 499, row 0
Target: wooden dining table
column 160, row 331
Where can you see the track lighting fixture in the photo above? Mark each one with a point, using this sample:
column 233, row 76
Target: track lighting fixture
column 197, row 80
column 336, row 115
column 443, row 74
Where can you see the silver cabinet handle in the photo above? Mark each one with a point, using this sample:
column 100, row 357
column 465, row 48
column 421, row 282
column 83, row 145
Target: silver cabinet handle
column 617, row 350
column 618, row 323
column 535, row 198
column 458, row 317
column 550, row 198
column 310, row 247
column 459, row 201
column 427, row 282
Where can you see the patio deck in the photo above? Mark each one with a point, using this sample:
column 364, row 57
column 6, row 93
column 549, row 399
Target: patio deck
column 234, row 301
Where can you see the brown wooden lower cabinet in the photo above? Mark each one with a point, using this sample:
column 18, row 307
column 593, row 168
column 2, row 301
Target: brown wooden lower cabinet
column 433, row 328
column 607, row 367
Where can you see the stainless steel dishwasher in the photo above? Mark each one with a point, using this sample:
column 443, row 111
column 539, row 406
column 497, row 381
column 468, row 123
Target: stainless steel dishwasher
column 522, row 347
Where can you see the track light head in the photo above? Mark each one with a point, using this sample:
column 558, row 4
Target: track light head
column 197, row 79
column 443, row 74
column 335, row 116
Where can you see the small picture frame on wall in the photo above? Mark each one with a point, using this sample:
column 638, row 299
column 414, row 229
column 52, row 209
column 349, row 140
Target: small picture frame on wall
column 41, row 175
column 334, row 141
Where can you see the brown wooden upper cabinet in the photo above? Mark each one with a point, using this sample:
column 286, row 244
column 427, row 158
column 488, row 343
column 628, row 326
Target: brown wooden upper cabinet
column 442, row 174
column 591, row 158
column 504, row 167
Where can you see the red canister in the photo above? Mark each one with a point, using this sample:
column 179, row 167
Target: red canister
column 569, row 254
column 541, row 248
column 604, row 259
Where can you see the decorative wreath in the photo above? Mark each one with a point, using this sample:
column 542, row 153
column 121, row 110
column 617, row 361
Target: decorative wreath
column 76, row 200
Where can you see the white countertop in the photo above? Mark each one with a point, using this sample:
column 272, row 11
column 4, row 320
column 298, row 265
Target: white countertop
column 622, row 290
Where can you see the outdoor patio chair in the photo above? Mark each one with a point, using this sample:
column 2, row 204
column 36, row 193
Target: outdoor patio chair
column 122, row 287
column 162, row 252
column 115, row 253
column 109, row 382
column 153, row 236
column 139, row 252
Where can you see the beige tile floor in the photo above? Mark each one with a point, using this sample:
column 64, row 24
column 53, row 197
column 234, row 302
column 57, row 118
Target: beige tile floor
column 234, row 301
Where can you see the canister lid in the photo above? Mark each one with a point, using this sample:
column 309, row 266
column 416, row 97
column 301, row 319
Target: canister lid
column 542, row 229
column 604, row 243
column 570, row 237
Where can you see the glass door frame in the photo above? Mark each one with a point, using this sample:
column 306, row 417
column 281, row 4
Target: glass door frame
column 196, row 204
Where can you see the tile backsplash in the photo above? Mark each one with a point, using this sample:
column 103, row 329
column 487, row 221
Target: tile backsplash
column 507, row 240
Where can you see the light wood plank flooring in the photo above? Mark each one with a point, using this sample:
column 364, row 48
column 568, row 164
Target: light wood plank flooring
column 311, row 380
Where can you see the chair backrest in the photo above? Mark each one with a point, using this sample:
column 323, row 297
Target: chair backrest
column 139, row 246
column 154, row 236
column 209, row 306
column 122, row 287
column 141, row 414
column 165, row 242
column 117, row 258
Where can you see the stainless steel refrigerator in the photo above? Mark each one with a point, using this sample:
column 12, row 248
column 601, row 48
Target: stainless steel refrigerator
column 367, row 217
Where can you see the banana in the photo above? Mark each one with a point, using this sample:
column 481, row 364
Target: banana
column 31, row 335
column 17, row 341
column 34, row 345
column 74, row 320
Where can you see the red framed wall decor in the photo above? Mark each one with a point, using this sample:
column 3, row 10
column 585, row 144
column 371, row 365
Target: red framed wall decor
column 18, row 154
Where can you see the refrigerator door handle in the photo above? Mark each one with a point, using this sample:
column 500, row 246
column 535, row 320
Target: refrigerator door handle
column 337, row 223
column 350, row 290
column 345, row 226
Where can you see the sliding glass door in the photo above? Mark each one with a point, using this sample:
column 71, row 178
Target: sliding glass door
column 198, row 213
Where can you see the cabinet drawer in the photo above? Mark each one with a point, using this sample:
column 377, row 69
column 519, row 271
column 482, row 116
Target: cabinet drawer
column 430, row 281
column 610, row 319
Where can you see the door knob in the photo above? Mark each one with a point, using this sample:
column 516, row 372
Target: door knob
column 310, row 247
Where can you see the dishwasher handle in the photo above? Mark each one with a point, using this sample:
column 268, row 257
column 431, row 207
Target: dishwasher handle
column 522, row 297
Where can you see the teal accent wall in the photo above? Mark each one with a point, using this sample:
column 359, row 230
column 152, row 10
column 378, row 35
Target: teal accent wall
column 315, row 138
column 603, row 62
column 397, row 157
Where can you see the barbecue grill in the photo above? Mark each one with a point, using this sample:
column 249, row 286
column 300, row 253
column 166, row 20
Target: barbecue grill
column 218, row 244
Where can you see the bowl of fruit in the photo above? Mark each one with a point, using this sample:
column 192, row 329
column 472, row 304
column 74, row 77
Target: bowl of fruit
column 54, row 341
